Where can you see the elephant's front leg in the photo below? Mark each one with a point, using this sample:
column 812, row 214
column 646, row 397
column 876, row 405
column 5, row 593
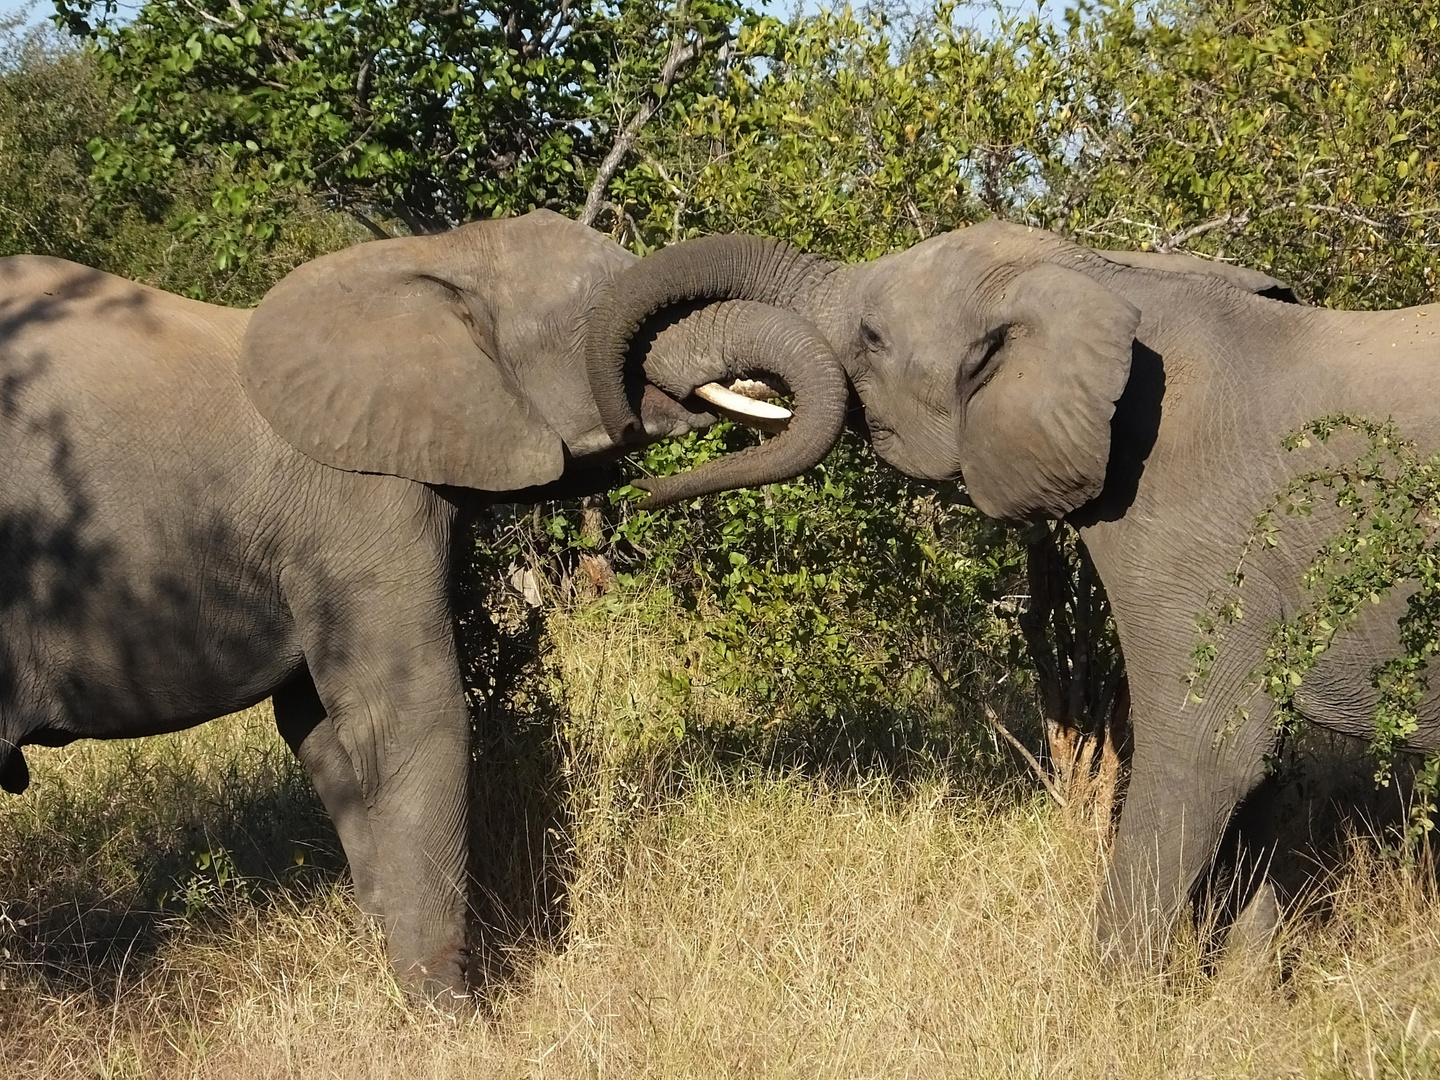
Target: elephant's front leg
column 1185, row 783
column 385, row 668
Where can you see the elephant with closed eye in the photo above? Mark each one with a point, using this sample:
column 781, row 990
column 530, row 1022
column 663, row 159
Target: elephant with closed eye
column 1144, row 398
column 203, row 507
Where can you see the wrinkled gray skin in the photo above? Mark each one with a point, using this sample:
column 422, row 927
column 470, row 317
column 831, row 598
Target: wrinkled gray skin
column 203, row 507
column 1144, row 397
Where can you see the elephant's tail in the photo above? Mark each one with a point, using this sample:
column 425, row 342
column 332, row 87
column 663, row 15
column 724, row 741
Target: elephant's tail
column 14, row 773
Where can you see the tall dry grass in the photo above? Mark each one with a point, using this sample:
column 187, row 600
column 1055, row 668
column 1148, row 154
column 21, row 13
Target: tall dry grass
column 728, row 921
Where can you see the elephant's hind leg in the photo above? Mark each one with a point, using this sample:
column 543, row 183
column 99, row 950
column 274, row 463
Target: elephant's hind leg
column 305, row 726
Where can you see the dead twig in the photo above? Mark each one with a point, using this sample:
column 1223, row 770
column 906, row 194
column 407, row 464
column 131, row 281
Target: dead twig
column 376, row 229
column 1174, row 240
column 681, row 56
column 998, row 726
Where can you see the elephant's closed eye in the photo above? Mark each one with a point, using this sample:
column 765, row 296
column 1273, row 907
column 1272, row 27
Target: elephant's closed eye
column 871, row 339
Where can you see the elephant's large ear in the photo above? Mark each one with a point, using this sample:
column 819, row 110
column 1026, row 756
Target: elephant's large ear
column 382, row 358
column 1037, row 433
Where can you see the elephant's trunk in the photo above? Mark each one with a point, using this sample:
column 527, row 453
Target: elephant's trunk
column 753, row 338
column 734, row 267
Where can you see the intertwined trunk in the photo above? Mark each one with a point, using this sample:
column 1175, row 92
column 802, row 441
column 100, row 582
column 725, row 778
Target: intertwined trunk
column 757, row 283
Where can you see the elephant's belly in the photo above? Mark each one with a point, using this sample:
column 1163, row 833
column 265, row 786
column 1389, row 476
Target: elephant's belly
column 1339, row 692
column 88, row 651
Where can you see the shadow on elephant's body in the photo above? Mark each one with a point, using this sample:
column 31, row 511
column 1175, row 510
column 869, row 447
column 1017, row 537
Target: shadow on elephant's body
column 1134, row 428
column 257, row 838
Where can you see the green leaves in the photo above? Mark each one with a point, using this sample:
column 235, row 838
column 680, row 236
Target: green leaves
column 414, row 113
column 819, row 598
column 1299, row 138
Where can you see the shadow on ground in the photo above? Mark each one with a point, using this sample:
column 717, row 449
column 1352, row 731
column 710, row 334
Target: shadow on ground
column 127, row 844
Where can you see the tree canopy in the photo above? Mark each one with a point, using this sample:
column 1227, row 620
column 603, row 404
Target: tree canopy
column 210, row 145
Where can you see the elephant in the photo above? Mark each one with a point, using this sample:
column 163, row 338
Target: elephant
column 1143, row 398
column 203, row 507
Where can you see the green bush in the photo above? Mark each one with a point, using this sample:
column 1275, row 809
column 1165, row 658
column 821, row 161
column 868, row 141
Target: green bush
column 224, row 140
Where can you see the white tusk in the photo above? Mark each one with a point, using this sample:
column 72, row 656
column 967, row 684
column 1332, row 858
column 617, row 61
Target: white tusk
column 761, row 414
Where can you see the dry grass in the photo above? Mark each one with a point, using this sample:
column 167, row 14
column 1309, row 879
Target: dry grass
column 742, row 925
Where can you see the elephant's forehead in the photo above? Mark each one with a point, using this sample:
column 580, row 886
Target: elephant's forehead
column 544, row 244
column 546, row 232
column 547, row 260
column 984, row 243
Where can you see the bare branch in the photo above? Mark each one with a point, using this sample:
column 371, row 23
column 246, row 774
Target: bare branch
column 376, row 229
column 920, row 225
column 1173, row 241
column 1320, row 208
column 681, row 198
column 998, row 726
column 681, row 56
column 562, row 20
column 212, row 19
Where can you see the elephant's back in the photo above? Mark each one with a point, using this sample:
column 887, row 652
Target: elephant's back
column 109, row 361
column 54, row 312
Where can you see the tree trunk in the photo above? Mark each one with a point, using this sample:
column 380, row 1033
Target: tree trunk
column 1084, row 695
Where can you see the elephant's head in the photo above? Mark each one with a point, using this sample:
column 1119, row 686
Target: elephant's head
column 995, row 352
column 999, row 353
column 988, row 353
column 458, row 360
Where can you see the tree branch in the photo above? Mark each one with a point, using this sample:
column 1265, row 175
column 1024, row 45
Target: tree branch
column 681, row 56
column 212, row 20
column 998, row 726
column 376, row 229
column 681, row 199
column 1173, row 241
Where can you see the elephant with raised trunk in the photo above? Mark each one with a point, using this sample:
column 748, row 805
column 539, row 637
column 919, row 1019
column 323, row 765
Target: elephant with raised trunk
column 1144, row 398
column 203, row 507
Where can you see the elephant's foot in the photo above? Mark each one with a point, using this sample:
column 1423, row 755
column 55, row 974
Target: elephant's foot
column 1250, row 950
column 440, row 981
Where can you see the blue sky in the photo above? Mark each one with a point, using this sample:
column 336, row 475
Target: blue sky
column 42, row 8
column 9, row 7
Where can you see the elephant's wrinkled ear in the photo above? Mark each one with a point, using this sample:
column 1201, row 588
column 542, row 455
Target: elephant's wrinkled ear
column 1037, row 433
column 375, row 359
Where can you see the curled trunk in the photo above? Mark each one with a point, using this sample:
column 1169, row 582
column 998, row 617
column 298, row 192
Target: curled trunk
column 754, row 338
column 735, row 267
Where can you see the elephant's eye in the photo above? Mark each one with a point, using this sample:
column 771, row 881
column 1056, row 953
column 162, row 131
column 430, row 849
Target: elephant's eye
column 870, row 337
